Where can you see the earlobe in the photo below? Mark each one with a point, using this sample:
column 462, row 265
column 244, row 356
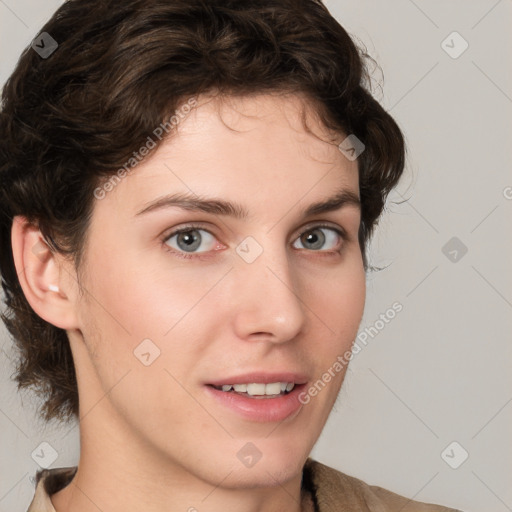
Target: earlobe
column 39, row 272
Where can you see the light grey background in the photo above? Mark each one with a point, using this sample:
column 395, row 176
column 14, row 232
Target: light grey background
column 437, row 372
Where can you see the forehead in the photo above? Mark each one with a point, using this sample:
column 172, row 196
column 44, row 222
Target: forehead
column 271, row 118
column 252, row 149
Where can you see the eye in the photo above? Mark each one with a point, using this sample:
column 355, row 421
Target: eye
column 315, row 238
column 185, row 241
column 189, row 239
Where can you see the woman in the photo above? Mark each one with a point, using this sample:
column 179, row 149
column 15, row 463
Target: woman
column 188, row 196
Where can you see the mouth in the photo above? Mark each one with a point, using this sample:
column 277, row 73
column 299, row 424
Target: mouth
column 258, row 390
column 260, row 396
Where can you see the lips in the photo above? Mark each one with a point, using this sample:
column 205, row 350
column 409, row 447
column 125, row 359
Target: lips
column 259, row 396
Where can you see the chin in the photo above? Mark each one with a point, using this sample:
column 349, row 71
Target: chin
column 275, row 467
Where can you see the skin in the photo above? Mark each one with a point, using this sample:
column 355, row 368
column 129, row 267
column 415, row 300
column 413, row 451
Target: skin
column 151, row 437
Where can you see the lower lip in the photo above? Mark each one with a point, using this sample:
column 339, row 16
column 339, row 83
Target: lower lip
column 260, row 409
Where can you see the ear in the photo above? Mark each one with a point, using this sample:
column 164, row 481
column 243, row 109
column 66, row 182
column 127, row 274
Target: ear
column 48, row 282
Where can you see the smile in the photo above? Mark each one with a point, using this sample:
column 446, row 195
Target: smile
column 258, row 390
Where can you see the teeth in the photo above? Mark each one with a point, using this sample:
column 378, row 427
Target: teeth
column 260, row 389
column 256, row 389
column 272, row 389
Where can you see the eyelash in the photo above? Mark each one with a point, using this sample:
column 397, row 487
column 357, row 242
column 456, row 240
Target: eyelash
column 203, row 256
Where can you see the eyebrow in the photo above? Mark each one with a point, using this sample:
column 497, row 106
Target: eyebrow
column 217, row 206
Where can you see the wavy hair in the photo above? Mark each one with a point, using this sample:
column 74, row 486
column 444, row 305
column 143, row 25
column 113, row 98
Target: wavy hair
column 72, row 119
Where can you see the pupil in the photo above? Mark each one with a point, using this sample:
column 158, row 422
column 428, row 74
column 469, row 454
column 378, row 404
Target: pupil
column 311, row 237
column 190, row 239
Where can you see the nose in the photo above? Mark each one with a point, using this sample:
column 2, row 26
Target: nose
column 268, row 303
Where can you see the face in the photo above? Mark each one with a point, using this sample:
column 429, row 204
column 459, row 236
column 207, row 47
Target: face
column 269, row 299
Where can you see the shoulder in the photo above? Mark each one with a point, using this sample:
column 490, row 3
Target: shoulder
column 332, row 488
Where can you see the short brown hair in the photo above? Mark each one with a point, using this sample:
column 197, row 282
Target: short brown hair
column 72, row 119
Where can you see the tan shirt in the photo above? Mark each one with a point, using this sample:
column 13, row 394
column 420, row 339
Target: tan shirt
column 324, row 489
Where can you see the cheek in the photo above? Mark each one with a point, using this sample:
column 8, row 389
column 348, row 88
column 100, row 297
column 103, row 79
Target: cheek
column 135, row 308
column 338, row 306
column 134, row 323
column 138, row 297
column 342, row 298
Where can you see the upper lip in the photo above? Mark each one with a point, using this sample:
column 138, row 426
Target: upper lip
column 261, row 377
